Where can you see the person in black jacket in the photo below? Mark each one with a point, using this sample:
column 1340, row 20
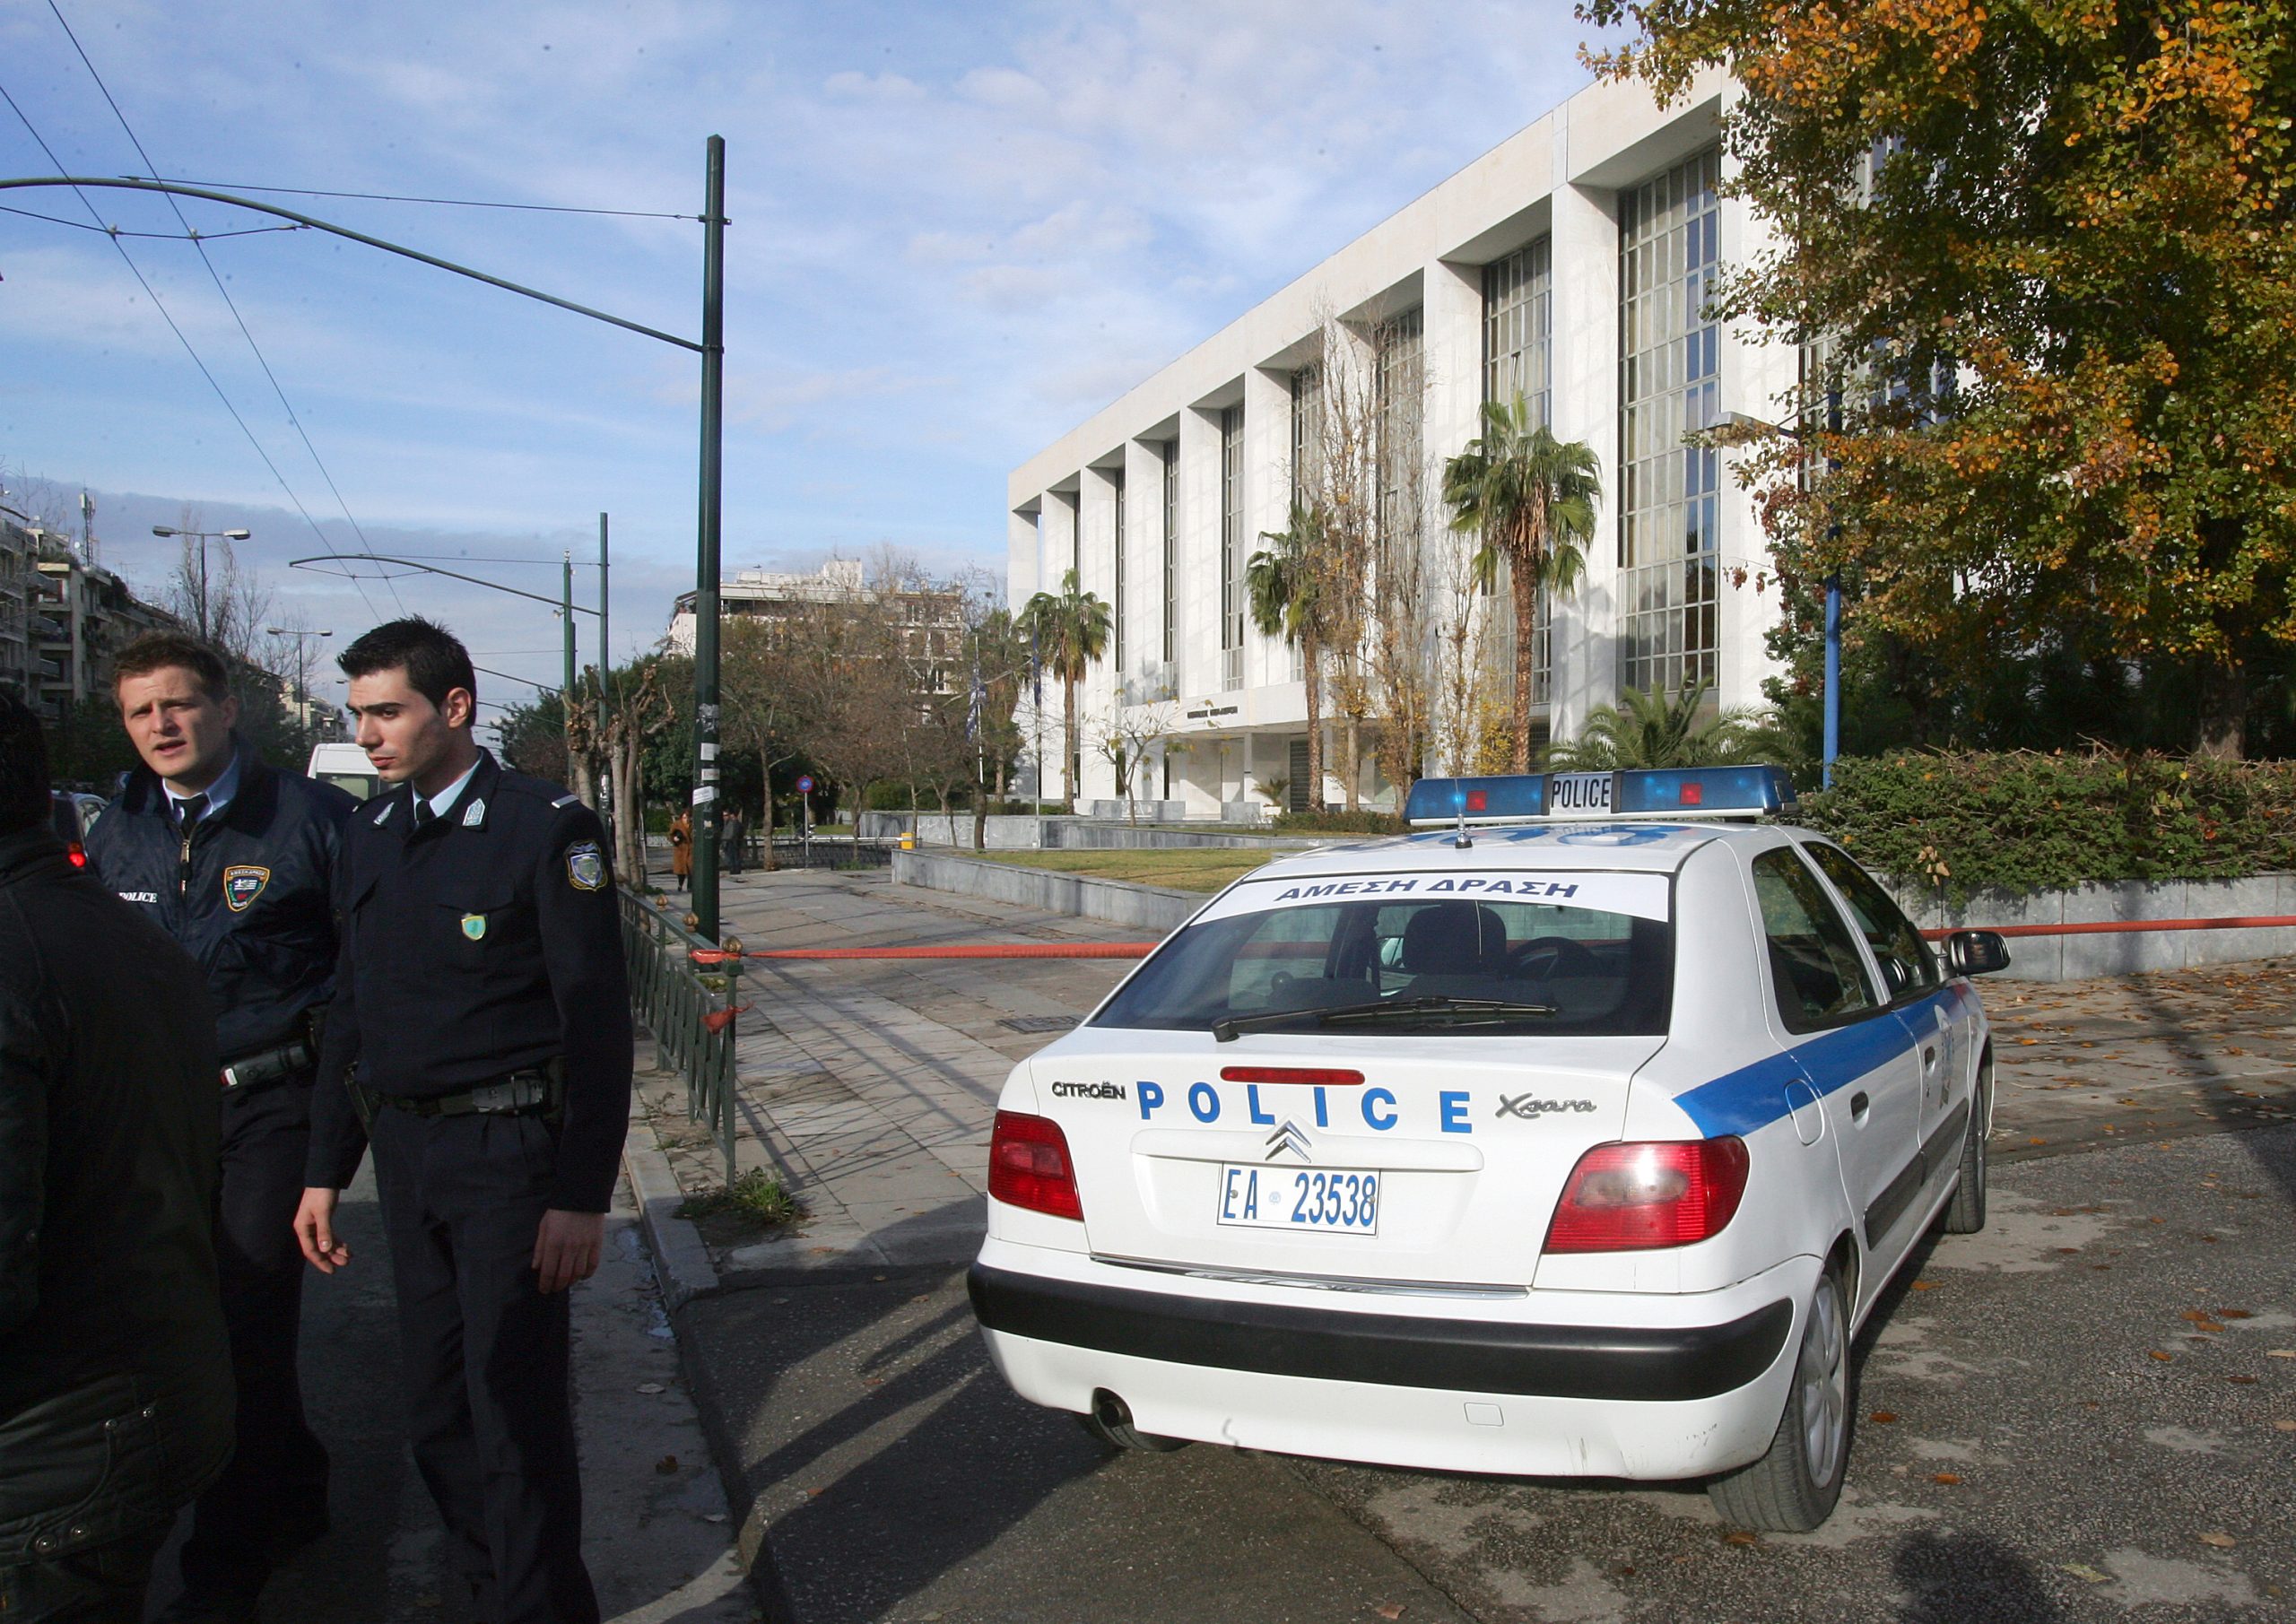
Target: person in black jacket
column 115, row 1371
column 482, row 995
column 236, row 861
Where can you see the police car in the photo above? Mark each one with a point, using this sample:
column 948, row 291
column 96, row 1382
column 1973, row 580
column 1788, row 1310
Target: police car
column 1574, row 1135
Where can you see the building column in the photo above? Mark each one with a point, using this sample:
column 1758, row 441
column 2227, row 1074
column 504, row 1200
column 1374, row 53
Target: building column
column 1585, row 359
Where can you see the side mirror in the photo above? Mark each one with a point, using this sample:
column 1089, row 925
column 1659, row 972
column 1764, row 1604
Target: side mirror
column 1975, row 953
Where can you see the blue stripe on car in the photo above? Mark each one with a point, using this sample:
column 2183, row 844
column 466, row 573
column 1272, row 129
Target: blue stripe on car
column 1754, row 1096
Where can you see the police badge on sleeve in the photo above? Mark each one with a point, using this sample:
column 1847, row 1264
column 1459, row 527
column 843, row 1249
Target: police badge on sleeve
column 586, row 866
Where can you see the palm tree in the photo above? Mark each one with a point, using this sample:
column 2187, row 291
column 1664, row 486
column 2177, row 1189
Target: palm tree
column 1286, row 584
column 1070, row 632
column 1532, row 497
column 1654, row 730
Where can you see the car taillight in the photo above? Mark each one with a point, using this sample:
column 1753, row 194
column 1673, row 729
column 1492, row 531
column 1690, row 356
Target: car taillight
column 1028, row 1165
column 1635, row 1197
column 79, row 858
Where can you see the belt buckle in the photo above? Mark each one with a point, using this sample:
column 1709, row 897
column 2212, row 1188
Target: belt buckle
column 495, row 1097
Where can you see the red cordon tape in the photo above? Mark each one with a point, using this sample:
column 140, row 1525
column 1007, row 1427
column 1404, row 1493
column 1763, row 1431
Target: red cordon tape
column 975, row 949
column 2114, row 927
column 1141, row 950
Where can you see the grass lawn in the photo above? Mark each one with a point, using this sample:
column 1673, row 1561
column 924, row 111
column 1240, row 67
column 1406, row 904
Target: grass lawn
column 1197, row 870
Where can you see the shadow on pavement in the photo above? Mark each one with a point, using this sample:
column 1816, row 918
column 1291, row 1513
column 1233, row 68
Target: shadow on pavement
column 1966, row 1578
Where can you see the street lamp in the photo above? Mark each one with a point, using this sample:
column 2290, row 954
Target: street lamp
column 303, row 666
column 203, row 537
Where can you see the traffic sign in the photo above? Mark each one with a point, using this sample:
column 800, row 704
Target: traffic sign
column 805, row 784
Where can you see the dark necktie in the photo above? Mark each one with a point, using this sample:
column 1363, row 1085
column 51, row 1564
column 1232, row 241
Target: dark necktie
column 189, row 813
column 423, row 816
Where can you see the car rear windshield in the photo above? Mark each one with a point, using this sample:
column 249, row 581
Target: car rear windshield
column 1596, row 960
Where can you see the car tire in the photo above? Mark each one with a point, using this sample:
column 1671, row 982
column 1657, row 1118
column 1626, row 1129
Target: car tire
column 1965, row 1213
column 1793, row 1487
column 1111, row 1423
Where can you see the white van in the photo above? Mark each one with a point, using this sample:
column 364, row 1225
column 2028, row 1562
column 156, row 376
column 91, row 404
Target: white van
column 347, row 767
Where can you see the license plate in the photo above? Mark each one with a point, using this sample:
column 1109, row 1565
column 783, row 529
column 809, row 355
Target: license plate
column 1578, row 792
column 1346, row 1199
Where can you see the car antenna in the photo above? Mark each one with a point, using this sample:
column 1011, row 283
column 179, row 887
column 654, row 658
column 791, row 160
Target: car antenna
column 1462, row 842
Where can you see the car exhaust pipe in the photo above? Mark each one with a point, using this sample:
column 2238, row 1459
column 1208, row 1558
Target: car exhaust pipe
column 1110, row 1422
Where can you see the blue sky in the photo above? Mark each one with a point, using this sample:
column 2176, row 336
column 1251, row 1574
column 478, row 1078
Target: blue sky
column 956, row 229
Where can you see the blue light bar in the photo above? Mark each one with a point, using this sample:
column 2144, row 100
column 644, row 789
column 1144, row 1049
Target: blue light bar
column 1691, row 792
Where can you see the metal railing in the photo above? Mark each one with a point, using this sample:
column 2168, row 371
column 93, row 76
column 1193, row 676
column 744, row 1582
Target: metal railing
column 689, row 1007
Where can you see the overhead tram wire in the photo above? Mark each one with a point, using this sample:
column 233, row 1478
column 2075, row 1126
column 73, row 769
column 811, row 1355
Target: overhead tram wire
column 82, row 225
column 449, row 203
column 151, row 294
column 295, row 421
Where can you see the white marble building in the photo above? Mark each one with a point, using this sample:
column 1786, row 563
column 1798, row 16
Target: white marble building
column 1568, row 263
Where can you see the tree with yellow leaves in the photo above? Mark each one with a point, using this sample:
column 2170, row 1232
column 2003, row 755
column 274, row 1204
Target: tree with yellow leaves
column 2042, row 259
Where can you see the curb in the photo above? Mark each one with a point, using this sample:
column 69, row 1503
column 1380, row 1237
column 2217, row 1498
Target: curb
column 680, row 1261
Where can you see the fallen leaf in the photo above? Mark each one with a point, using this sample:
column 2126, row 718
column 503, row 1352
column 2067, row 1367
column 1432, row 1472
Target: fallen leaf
column 2037, row 1141
column 2241, row 1381
column 2222, row 1542
column 668, row 1465
column 2280, row 1353
column 2156, row 1353
column 1391, row 1610
column 713, row 1517
column 2283, row 1425
column 1739, row 1536
column 1883, row 1417
column 1925, row 1285
column 651, row 1388
column 1944, row 1477
column 2082, row 1571
column 2198, row 1317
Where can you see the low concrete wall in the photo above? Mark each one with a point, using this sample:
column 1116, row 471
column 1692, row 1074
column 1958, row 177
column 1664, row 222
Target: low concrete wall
column 2121, row 953
column 1007, row 832
column 1152, row 908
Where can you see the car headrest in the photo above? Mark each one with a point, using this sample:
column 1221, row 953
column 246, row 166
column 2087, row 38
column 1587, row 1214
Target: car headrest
column 1453, row 939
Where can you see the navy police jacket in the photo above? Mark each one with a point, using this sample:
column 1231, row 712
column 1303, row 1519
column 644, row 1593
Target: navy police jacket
column 489, row 942
column 254, row 904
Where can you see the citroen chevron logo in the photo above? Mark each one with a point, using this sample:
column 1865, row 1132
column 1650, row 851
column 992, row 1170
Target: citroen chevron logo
column 1289, row 1137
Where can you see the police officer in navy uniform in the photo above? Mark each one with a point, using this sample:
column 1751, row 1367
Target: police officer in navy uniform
column 235, row 860
column 482, row 998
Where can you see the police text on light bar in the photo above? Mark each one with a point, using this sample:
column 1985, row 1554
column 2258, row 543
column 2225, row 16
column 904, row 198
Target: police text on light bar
column 1667, row 794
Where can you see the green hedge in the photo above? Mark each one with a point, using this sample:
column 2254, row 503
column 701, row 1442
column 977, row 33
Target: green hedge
column 1337, row 823
column 2024, row 822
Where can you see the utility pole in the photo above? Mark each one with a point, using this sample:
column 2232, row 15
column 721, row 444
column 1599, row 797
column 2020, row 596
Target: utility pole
column 705, row 596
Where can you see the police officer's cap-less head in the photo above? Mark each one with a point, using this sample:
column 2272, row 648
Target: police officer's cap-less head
column 415, row 696
column 176, row 702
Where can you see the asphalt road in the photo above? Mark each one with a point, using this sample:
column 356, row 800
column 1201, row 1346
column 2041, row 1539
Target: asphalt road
column 2084, row 1411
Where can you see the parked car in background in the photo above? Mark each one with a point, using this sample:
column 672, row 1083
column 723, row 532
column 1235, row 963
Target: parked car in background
column 347, row 767
column 74, row 814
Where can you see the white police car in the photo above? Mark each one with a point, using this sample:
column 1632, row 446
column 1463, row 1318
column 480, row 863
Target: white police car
column 1571, row 1143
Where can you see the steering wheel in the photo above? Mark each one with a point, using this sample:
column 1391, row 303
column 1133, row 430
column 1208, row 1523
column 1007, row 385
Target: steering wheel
column 1558, row 952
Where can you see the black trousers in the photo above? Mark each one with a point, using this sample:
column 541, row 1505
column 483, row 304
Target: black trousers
column 102, row 1584
column 274, row 1490
column 486, row 1356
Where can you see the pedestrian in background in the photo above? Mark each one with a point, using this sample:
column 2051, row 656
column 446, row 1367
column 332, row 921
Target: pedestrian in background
column 481, row 994
column 115, row 1370
column 736, row 827
column 235, row 860
column 681, row 848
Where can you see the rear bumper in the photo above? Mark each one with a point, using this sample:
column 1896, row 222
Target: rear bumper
column 1507, row 1391
column 1387, row 1350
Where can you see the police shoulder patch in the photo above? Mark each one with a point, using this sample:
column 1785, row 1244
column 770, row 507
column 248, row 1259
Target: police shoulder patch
column 586, row 866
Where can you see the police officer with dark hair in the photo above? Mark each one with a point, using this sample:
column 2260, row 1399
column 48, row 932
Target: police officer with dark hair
column 235, row 860
column 483, row 997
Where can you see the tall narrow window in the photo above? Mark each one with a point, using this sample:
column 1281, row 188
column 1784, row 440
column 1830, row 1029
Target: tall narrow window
column 1668, row 501
column 1518, row 360
column 1402, row 410
column 1307, row 458
column 1232, row 547
column 1171, row 562
column 1115, row 485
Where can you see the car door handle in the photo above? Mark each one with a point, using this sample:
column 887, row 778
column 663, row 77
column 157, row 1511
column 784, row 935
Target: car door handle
column 1930, row 1055
column 1859, row 1105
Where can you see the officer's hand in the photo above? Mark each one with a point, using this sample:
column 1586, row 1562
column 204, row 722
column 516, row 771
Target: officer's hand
column 315, row 1231
column 567, row 1248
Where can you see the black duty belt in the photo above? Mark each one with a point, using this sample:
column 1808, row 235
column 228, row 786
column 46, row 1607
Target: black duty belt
column 268, row 1065
column 520, row 1094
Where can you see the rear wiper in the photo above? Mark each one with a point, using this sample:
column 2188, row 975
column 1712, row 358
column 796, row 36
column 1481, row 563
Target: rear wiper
column 1434, row 1007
